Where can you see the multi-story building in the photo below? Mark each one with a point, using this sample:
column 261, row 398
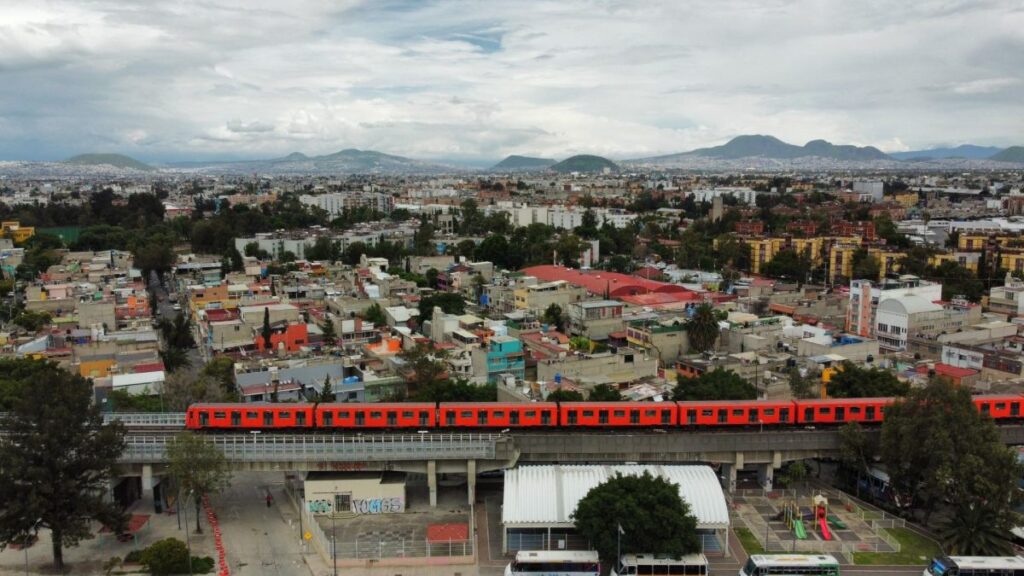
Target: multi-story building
column 901, row 316
column 536, row 298
column 335, row 203
column 504, row 355
column 865, row 296
column 596, row 319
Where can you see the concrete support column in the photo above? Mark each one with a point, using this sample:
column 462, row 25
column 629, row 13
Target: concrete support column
column 765, row 476
column 432, row 481
column 147, row 480
column 729, row 477
column 471, row 480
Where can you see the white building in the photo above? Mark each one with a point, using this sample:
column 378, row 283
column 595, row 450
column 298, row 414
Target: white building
column 334, row 203
column 865, row 296
column 744, row 195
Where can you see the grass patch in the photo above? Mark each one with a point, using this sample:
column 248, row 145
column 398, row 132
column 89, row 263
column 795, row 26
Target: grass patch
column 914, row 550
column 749, row 542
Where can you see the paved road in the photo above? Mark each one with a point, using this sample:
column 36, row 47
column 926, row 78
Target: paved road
column 165, row 310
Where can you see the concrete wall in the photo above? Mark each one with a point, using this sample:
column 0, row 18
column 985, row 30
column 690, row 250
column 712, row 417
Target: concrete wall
column 368, row 493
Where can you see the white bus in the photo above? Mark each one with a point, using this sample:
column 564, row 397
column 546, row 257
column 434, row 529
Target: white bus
column 975, row 566
column 791, row 565
column 661, row 565
column 554, row 563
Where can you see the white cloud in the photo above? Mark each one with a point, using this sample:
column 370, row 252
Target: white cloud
column 548, row 77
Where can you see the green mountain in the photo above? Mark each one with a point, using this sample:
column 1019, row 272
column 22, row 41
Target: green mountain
column 757, row 145
column 115, row 160
column 513, row 163
column 585, row 163
column 1011, row 154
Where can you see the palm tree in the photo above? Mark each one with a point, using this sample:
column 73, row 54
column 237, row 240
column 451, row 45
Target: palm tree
column 975, row 530
column 702, row 328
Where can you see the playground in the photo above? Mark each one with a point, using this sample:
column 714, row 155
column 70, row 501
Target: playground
column 814, row 520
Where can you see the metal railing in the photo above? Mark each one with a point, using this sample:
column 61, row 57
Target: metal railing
column 146, row 419
column 320, row 448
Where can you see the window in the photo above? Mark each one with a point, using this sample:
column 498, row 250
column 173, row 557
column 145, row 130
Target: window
column 374, row 414
column 707, row 413
column 513, row 418
column 1000, row 405
column 251, row 414
column 531, row 413
column 328, row 419
column 854, row 409
column 218, row 414
column 737, row 412
column 619, row 413
column 650, row 413
column 499, row 413
column 300, row 418
column 634, row 416
column 342, row 502
column 285, row 415
column 343, row 414
column 572, row 417
column 449, row 418
column 268, row 418
column 824, row 410
column 481, row 418
column 588, row 413
column 236, row 418
column 602, row 416
column 467, row 414
column 769, row 411
column 406, row 414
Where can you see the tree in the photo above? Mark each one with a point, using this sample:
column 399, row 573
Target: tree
column 788, row 265
column 801, row 386
column 865, row 266
column 375, row 314
column 650, row 511
column 199, row 467
column 852, row 381
column 326, row 392
column 604, row 393
column 449, row 302
column 56, row 462
column 181, row 390
column 457, row 390
column 423, row 366
column 174, row 359
column 554, row 316
column 170, row 556
column 177, row 333
column 266, row 331
column 937, row 446
column 562, row 395
column 222, row 369
column 857, row 450
column 702, row 328
column 31, row 320
column 719, row 384
column 957, row 281
column 330, row 335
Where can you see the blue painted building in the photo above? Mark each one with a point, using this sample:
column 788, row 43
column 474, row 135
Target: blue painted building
column 505, row 356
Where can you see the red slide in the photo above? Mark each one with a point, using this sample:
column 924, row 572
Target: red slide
column 823, row 524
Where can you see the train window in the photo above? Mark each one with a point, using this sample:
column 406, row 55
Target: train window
column 343, row 414
column 285, row 415
column 602, row 416
column 588, row 413
column 360, row 418
column 984, row 408
column 869, row 412
column 737, row 412
column 691, row 416
column 300, row 418
column 374, row 414
column 513, row 418
column 268, row 418
column 406, row 414
column 218, row 414
column 825, row 410
column 467, row 414
column 634, row 416
column 204, row 419
column 840, row 413
column 650, row 413
column 251, row 414
column 784, row 415
column 752, row 416
column 723, row 415
column 809, row 414
column 545, row 418
column 571, row 417
column 499, row 413
column 1000, row 406
column 706, row 413
column 769, row 411
column 481, row 418
column 449, row 418
column 393, row 418
column 236, row 418
column 1014, row 408
column 328, row 418
column 424, row 418
column 666, row 416
column 854, row 409
column 531, row 413
column 619, row 413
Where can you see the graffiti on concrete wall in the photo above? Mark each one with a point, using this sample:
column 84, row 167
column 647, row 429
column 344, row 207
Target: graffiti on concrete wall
column 378, row 505
column 321, row 506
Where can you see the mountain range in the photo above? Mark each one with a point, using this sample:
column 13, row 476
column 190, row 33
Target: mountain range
column 115, row 160
column 967, row 151
column 516, row 163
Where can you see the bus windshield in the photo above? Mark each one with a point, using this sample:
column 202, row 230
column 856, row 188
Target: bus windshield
column 555, row 568
column 754, row 568
column 938, row 567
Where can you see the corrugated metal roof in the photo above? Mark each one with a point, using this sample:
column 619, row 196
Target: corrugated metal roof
column 549, row 494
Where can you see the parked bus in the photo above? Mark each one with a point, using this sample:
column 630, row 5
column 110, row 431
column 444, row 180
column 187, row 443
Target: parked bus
column 975, row 566
column 554, row 563
column 661, row 565
column 791, row 565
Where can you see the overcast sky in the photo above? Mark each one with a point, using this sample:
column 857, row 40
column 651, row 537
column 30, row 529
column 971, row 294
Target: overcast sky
column 479, row 80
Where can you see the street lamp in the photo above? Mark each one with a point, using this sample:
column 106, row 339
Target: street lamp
column 254, row 433
column 188, row 539
column 334, row 546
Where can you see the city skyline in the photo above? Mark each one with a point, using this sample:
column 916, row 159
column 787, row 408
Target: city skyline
column 476, row 82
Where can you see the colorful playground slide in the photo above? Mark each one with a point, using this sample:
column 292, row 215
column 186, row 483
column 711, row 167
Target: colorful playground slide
column 836, row 522
column 823, row 525
column 798, row 529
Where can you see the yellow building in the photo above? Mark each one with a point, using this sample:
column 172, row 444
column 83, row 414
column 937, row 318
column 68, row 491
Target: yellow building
column 968, row 260
column 809, row 247
column 840, row 262
column 906, row 199
column 16, row 232
column 1012, row 261
column 889, row 262
column 762, row 252
column 972, row 242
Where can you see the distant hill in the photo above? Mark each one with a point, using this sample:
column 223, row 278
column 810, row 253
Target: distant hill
column 115, row 160
column 584, row 163
column 757, row 145
column 348, row 161
column 967, row 151
column 1011, row 154
column 513, row 163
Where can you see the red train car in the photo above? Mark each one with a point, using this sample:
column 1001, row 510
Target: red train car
column 497, row 414
column 841, row 410
column 736, row 413
column 384, row 415
column 260, row 415
column 999, row 407
column 617, row 414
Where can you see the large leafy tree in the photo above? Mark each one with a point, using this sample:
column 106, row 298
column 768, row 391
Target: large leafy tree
column 450, row 302
column 423, row 367
column 650, row 511
column 938, row 447
column 853, row 381
column 56, row 462
column 199, row 467
column 604, row 393
column 719, row 384
column 702, row 328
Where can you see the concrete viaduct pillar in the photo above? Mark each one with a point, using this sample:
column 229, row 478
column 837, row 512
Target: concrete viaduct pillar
column 432, row 481
column 471, row 480
column 729, row 472
column 765, row 476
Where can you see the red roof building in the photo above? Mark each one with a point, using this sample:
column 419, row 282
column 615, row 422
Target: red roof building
column 615, row 285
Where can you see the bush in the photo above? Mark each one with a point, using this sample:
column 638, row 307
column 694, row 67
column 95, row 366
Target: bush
column 170, row 556
column 133, row 557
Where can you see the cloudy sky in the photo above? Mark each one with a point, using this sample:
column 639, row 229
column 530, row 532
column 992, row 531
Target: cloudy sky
column 476, row 81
